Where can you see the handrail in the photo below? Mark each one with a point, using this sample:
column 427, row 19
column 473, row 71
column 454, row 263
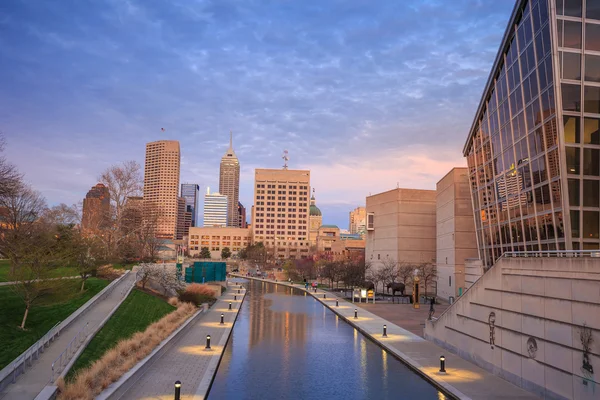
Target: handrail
column 68, row 352
column 552, row 253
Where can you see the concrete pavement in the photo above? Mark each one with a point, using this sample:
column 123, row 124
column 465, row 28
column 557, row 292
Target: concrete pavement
column 29, row 384
column 188, row 360
column 462, row 380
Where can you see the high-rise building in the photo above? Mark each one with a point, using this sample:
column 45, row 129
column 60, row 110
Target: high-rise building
column 96, row 208
column 281, row 209
column 539, row 114
column 190, row 191
column 242, row 216
column 161, row 186
column 133, row 214
column 358, row 219
column 215, row 209
column 229, row 183
column 181, row 211
column 315, row 220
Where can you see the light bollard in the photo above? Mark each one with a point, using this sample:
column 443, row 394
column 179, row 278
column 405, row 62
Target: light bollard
column 222, row 319
column 208, row 342
column 384, row 330
column 324, row 296
column 355, row 313
column 442, row 365
column 235, row 297
column 177, row 390
column 230, row 305
column 337, row 303
column 239, row 291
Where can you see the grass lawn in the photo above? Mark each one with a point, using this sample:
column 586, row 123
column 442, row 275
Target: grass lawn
column 127, row 266
column 56, row 273
column 42, row 317
column 135, row 313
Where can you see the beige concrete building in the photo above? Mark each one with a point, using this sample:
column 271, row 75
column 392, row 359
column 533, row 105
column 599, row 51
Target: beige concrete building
column 161, row 186
column 358, row 220
column 401, row 226
column 217, row 238
column 348, row 249
column 456, row 239
column 315, row 220
column 281, row 211
column 326, row 236
column 229, row 183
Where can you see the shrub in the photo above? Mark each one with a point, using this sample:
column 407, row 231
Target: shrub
column 197, row 294
column 200, row 289
column 174, row 301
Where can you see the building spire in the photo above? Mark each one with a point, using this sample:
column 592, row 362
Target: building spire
column 230, row 140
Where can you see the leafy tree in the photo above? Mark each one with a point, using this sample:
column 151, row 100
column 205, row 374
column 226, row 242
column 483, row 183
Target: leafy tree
column 85, row 255
column 225, row 253
column 205, row 253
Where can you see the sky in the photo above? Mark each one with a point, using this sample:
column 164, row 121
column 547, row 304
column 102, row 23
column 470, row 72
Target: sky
column 368, row 95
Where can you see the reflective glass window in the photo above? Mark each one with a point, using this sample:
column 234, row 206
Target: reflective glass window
column 572, row 160
column 572, row 8
column 591, row 131
column 571, row 34
column 574, row 223
column 571, row 97
column 592, row 10
column 591, row 162
column 553, row 163
column 572, row 129
column 592, row 34
column 574, row 192
column 592, row 68
column 571, row 66
column 591, row 99
column 551, row 133
column 591, row 193
column 591, row 246
column 590, row 224
column 560, row 226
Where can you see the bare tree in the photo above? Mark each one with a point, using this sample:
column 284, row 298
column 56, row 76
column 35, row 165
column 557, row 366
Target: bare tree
column 123, row 181
column 146, row 272
column 85, row 254
column 389, row 270
column 63, row 214
column 406, row 272
column 428, row 274
column 10, row 178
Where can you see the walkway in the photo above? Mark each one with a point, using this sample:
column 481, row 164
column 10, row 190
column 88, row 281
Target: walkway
column 50, row 279
column 38, row 375
column 404, row 315
column 463, row 379
column 189, row 361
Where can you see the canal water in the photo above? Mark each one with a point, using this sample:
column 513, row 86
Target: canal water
column 286, row 345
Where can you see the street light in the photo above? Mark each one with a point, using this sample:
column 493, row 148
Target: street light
column 177, row 390
column 208, row 342
column 442, row 365
column 384, row 330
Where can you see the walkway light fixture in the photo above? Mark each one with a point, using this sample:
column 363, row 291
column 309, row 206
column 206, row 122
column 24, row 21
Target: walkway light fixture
column 337, row 303
column 355, row 313
column 442, row 365
column 177, row 390
column 207, row 342
column 324, row 296
column 235, row 297
column 384, row 330
column 230, row 305
column 222, row 319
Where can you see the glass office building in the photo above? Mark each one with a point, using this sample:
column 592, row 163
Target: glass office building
column 533, row 149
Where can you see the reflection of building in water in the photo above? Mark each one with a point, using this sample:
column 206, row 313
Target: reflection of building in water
column 509, row 187
column 268, row 325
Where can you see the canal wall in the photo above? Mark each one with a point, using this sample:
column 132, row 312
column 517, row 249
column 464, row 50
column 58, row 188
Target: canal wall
column 462, row 379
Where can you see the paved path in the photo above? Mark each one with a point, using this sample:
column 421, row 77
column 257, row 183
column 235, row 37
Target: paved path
column 404, row 315
column 463, row 379
column 50, row 279
column 188, row 360
column 38, row 375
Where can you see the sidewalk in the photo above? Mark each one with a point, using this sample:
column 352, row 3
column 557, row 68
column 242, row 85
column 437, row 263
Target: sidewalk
column 189, row 361
column 37, row 376
column 463, row 379
column 50, row 279
column 404, row 315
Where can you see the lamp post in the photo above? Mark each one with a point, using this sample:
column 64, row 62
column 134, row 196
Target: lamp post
column 222, row 319
column 442, row 365
column 355, row 313
column 230, row 305
column 384, row 330
column 177, row 390
column 207, row 342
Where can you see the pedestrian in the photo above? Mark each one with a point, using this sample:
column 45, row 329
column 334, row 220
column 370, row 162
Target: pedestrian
column 431, row 309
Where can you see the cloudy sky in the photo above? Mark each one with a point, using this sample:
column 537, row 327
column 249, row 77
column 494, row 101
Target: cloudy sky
column 367, row 94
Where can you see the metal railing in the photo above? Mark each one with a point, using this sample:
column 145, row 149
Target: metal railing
column 552, row 254
column 63, row 359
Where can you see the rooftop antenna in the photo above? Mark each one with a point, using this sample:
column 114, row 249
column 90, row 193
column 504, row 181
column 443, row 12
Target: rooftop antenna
column 230, row 140
column 286, row 158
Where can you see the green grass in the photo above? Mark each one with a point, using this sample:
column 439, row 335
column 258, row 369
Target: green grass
column 135, row 314
column 41, row 318
column 56, row 273
column 127, row 266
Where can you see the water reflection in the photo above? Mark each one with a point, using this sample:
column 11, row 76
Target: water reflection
column 286, row 345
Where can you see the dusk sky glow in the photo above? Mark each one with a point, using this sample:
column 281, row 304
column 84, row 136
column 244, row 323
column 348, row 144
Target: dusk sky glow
column 368, row 95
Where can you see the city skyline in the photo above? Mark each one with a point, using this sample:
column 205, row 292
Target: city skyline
column 344, row 97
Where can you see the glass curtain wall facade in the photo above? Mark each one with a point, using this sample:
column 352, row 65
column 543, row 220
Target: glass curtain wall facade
column 533, row 150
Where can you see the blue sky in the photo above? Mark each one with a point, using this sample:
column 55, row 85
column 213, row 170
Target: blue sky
column 368, row 95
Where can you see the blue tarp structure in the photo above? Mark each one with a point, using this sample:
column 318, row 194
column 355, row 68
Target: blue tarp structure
column 206, row 271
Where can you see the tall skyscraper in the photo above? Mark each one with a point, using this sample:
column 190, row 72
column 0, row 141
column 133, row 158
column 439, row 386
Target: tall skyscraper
column 215, row 209
column 242, row 215
column 229, row 183
column 533, row 134
column 161, row 186
column 358, row 219
column 96, row 208
column 181, row 228
column 281, row 209
column 190, row 191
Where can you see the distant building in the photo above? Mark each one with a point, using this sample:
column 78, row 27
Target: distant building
column 133, row 214
column 315, row 220
column 281, row 209
column 96, row 208
column 161, row 186
column 242, row 215
column 358, row 218
column 401, row 227
column 326, row 235
column 181, row 211
column 217, row 238
column 348, row 248
column 455, row 232
column 190, row 191
column 215, row 209
column 229, row 183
